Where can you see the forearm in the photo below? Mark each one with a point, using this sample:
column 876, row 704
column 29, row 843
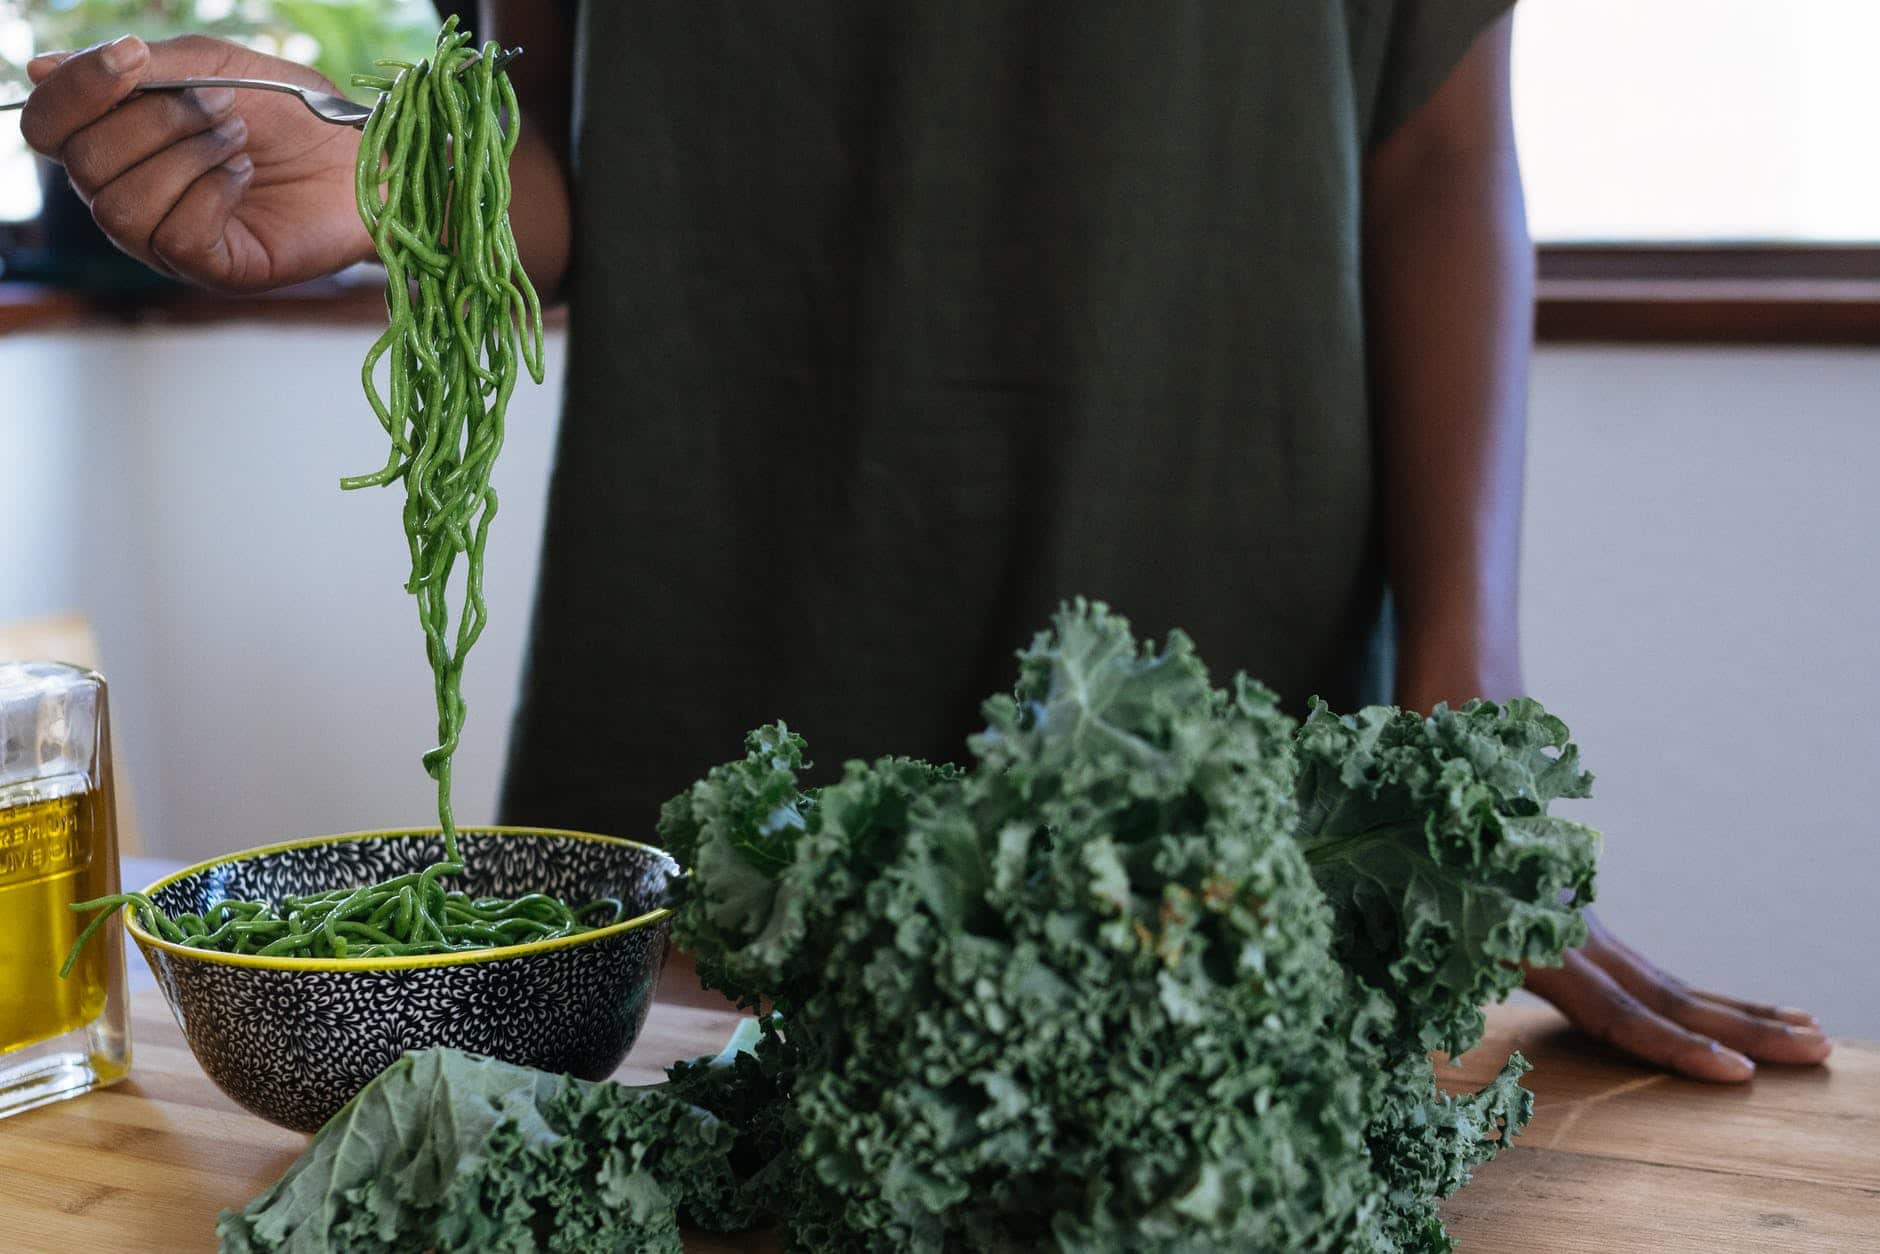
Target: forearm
column 1449, row 274
column 539, row 213
column 539, row 201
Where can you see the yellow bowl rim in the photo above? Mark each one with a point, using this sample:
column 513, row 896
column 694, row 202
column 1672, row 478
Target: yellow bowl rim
column 409, row 962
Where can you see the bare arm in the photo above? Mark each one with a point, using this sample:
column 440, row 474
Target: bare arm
column 1449, row 279
column 539, row 206
column 1449, row 282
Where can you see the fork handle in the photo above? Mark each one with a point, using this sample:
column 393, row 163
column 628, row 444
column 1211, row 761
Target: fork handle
column 184, row 84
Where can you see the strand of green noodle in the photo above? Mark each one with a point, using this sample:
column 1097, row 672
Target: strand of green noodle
column 433, row 188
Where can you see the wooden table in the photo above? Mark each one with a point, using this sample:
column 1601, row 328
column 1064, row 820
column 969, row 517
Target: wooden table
column 1618, row 1158
column 1623, row 1158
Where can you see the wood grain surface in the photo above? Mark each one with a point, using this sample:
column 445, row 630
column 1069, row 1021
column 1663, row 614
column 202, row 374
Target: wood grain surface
column 1618, row 1158
column 1623, row 1158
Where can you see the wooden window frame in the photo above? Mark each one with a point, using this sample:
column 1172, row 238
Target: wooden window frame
column 1760, row 293
column 1587, row 293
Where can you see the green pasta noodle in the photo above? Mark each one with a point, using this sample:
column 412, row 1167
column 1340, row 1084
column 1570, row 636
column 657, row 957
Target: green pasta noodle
column 463, row 322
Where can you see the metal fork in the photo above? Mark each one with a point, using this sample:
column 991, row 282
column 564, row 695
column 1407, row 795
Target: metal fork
column 323, row 105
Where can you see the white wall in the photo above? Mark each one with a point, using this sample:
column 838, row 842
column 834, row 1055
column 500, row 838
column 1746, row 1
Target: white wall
column 1700, row 604
column 267, row 667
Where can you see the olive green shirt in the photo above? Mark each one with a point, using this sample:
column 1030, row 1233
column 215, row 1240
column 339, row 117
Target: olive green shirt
column 896, row 324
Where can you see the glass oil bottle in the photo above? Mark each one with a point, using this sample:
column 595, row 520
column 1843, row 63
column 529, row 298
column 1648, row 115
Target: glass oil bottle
column 58, row 845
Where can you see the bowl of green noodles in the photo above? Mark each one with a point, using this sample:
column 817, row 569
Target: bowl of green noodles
column 292, row 1037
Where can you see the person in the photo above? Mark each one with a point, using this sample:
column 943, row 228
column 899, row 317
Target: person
column 894, row 325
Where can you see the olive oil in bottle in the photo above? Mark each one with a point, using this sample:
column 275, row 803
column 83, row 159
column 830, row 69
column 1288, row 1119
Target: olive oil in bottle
column 58, row 845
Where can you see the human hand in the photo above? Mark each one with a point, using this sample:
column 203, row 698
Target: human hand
column 1609, row 991
column 237, row 190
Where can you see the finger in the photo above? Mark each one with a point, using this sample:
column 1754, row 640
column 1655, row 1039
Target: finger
column 79, row 90
column 137, row 130
column 1762, row 1010
column 130, row 208
column 1765, row 1039
column 1608, row 949
column 193, row 239
column 1598, row 1006
column 43, row 64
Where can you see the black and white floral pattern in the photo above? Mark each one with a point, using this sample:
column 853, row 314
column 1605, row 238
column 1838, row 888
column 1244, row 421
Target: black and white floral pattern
column 295, row 1045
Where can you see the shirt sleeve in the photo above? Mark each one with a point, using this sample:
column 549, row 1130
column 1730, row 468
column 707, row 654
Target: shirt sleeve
column 1427, row 38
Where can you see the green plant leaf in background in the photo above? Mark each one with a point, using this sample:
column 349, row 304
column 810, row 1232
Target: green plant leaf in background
column 339, row 38
column 354, row 34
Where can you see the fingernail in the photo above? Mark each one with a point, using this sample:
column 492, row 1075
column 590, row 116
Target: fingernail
column 230, row 130
column 214, row 100
column 124, row 54
column 1735, row 1061
column 241, row 165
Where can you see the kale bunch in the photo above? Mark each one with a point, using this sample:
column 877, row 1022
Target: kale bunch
column 1157, row 970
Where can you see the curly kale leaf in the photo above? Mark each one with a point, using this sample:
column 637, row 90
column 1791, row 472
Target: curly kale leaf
column 735, row 830
column 456, row 1152
column 747, row 1087
column 776, row 871
column 1431, row 839
column 1426, row 1143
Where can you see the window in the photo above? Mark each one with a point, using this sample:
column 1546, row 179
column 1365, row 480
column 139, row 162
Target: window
column 19, row 186
column 1699, row 120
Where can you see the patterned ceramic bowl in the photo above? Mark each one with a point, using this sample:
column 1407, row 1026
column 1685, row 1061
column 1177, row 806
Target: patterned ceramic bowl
column 293, row 1039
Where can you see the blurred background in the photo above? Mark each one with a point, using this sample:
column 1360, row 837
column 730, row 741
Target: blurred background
column 1700, row 586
